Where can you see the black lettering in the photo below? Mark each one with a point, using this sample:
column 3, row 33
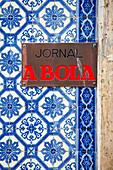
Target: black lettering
column 61, row 52
column 46, row 53
column 70, row 54
column 40, row 54
column 54, row 52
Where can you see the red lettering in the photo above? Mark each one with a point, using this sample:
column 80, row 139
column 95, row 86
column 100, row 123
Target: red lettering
column 88, row 73
column 57, row 72
column 45, row 72
column 69, row 72
column 73, row 73
column 29, row 73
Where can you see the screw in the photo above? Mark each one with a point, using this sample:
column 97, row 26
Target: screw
column 24, row 45
column 94, row 45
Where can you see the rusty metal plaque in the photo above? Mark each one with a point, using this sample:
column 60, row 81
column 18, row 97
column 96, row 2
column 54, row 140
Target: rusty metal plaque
column 59, row 64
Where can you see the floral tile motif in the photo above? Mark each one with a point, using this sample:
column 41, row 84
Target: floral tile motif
column 45, row 128
column 68, row 129
column 87, row 117
column 87, row 97
column 31, row 4
column 87, row 160
column 87, row 142
column 87, row 33
column 88, row 8
column 10, row 61
column 87, row 21
column 12, row 17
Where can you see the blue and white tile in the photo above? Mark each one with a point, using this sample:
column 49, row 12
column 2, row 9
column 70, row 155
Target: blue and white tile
column 30, row 164
column 9, row 128
column 66, row 7
column 87, row 140
column 71, row 165
column 87, row 117
column 12, row 151
column 10, row 61
column 87, row 8
column 9, row 83
column 31, row 128
column 53, row 151
column 29, row 93
column 62, row 24
column 87, row 160
column 87, row 96
column 32, row 4
column 71, row 92
column 48, row 17
column 11, row 106
column 72, row 4
column 9, row 41
column 70, row 34
column 87, row 28
column 12, row 17
column 68, row 128
column 31, row 34
column 53, row 106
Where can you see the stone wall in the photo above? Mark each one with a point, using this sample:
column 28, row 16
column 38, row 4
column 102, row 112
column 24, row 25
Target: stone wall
column 105, row 85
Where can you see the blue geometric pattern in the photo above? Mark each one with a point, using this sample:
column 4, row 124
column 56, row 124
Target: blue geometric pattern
column 45, row 128
column 87, row 21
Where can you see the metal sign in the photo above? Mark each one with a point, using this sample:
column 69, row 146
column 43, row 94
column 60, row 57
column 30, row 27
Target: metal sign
column 59, row 64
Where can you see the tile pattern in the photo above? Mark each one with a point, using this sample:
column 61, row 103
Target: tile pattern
column 45, row 128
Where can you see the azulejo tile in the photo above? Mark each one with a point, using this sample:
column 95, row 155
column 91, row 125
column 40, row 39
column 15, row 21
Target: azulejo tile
column 69, row 130
column 87, row 97
column 87, row 29
column 29, row 93
column 87, row 160
column 9, row 128
column 87, row 21
column 87, row 117
column 45, row 127
column 72, row 4
column 31, row 34
column 9, row 84
column 11, row 151
column 70, row 35
column 30, row 163
column 54, row 106
column 87, row 140
column 32, row 4
column 54, row 15
column 10, row 61
column 11, row 106
column 71, row 92
column 88, row 8
column 53, row 146
column 12, row 17
column 71, row 165
column 31, row 128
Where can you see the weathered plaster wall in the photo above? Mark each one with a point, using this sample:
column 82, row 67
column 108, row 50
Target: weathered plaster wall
column 105, row 85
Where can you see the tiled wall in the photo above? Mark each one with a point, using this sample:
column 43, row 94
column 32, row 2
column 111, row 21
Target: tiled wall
column 45, row 128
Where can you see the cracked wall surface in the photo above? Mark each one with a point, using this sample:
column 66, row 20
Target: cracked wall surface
column 105, row 85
